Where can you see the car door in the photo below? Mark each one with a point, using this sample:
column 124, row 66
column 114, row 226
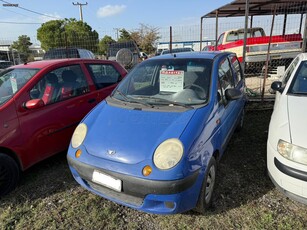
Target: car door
column 48, row 128
column 228, row 110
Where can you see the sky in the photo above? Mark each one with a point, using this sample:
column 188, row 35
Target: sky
column 106, row 16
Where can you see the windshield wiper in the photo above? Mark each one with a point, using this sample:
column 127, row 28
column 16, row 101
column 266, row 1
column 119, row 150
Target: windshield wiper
column 121, row 94
column 132, row 99
column 163, row 101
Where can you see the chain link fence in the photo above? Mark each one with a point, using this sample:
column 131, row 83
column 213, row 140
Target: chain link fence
column 287, row 29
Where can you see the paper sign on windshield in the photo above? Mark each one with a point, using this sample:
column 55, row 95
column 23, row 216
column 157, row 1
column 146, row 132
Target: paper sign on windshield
column 171, row 80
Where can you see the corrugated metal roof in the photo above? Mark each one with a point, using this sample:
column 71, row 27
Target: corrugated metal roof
column 260, row 7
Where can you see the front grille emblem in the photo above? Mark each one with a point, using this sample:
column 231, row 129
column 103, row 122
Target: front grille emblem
column 111, row 152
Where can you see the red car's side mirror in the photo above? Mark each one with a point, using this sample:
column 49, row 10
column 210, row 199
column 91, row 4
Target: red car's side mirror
column 34, row 104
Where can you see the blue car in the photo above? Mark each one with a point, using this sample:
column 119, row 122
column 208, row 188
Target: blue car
column 154, row 144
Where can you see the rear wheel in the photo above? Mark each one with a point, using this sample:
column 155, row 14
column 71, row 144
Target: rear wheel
column 206, row 193
column 9, row 174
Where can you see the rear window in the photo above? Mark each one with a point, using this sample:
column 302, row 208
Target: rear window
column 61, row 53
column 5, row 64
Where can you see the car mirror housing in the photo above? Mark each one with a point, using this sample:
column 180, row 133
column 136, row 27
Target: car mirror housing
column 277, row 86
column 34, row 104
column 233, row 94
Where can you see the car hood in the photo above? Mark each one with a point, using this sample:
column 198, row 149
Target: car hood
column 131, row 136
column 297, row 119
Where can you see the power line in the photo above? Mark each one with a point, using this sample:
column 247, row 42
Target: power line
column 46, row 15
column 30, row 23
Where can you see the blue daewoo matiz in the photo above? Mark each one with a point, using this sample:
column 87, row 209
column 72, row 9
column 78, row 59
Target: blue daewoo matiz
column 154, row 144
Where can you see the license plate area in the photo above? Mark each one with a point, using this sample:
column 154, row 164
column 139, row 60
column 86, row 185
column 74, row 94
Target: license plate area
column 107, row 181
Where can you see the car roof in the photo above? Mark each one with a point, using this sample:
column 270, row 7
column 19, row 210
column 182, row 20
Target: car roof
column 303, row 56
column 195, row 54
column 46, row 63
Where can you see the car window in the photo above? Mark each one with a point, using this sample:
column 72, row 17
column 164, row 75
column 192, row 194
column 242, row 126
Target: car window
column 5, row 64
column 237, row 69
column 144, row 77
column 61, row 53
column 290, row 70
column 12, row 80
column 220, row 40
column 299, row 82
column 185, row 81
column 60, row 84
column 225, row 79
column 103, row 75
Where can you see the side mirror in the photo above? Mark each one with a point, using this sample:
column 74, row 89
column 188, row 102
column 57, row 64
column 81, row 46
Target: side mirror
column 233, row 94
column 34, row 104
column 277, row 86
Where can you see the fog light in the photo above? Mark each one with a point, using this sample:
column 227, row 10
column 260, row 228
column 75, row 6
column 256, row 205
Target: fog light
column 78, row 153
column 147, row 170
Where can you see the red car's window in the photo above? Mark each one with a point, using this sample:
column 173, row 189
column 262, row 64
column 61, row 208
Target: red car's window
column 61, row 84
column 103, row 75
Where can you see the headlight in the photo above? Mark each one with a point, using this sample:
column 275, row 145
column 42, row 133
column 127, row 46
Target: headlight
column 168, row 154
column 79, row 135
column 292, row 152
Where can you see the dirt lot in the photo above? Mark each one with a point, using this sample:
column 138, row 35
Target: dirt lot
column 245, row 198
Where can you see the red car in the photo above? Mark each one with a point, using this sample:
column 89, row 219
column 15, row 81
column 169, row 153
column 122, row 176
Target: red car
column 41, row 103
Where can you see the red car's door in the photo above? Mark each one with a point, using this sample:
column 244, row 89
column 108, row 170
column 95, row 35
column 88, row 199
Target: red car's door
column 47, row 130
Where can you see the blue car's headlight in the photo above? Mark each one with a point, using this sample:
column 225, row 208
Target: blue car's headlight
column 79, row 135
column 168, row 154
column 292, row 152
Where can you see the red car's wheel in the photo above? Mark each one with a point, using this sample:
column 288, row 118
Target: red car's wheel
column 9, row 174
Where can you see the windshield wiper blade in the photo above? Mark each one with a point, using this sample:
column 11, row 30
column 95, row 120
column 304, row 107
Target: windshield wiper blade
column 132, row 99
column 170, row 103
column 121, row 94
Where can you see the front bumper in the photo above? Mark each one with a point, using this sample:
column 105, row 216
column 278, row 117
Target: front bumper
column 289, row 177
column 161, row 197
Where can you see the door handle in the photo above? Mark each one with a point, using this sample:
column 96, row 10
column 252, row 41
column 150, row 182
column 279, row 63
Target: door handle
column 92, row 100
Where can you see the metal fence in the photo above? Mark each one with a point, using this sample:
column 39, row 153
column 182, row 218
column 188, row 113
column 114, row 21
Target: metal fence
column 286, row 42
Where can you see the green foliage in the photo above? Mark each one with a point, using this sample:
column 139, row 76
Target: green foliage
column 22, row 46
column 67, row 33
column 103, row 44
column 124, row 36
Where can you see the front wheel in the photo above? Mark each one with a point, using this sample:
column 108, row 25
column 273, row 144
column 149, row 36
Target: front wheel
column 206, row 193
column 9, row 174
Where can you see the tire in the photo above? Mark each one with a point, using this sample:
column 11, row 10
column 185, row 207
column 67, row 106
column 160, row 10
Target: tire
column 241, row 122
column 9, row 174
column 205, row 197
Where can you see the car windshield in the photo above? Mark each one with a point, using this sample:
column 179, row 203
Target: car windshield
column 13, row 80
column 171, row 82
column 299, row 82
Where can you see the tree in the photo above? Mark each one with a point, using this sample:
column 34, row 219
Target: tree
column 67, row 33
column 124, row 36
column 22, row 45
column 146, row 37
column 104, row 43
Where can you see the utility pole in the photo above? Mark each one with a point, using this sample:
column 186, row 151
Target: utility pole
column 80, row 9
column 117, row 30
